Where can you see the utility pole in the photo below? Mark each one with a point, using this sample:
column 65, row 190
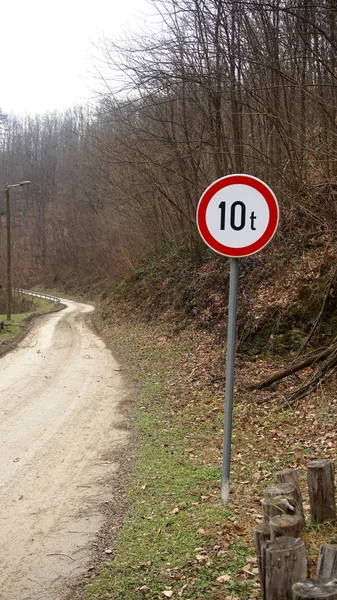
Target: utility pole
column 9, row 249
column 9, row 270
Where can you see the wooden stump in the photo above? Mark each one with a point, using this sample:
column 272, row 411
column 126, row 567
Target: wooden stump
column 327, row 563
column 321, row 482
column 286, row 564
column 315, row 590
column 261, row 537
column 277, row 506
column 286, row 525
column 287, row 490
column 291, row 476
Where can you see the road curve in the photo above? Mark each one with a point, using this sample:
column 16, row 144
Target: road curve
column 59, row 422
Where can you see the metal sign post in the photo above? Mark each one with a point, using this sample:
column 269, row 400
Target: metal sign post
column 230, row 359
column 237, row 216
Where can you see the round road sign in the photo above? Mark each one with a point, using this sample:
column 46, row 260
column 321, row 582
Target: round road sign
column 237, row 215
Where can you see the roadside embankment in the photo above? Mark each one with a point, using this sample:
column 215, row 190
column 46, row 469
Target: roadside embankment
column 178, row 540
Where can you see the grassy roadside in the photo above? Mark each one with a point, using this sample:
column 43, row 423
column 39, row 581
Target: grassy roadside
column 15, row 330
column 178, row 541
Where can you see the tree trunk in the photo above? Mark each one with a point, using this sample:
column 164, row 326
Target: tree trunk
column 327, row 562
column 321, row 476
column 286, row 564
column 314, row 590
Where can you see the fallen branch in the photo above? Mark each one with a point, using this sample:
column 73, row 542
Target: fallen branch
column 307, row 362
column 324, row 372
column 60, row 554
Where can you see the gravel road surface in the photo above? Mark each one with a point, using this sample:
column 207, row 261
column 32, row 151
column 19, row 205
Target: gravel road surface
column 59, row 424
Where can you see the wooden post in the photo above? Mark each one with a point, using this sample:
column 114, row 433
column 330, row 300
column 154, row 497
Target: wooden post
column 287, row 490
column 315, row 590
column 9, row 269
column 273, row 494
column 286, row 563
column 286, row 525
column 321, row 483
column 291, row 476
column 277, row 506
column 261, row 537
column 327, row 562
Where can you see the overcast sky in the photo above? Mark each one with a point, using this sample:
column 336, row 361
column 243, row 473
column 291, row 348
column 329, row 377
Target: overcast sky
column 46, row 48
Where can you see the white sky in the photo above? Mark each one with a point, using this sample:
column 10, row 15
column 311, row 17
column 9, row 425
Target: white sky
column 46, row 48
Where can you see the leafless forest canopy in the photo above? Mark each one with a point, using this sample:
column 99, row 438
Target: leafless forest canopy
column 223, row 86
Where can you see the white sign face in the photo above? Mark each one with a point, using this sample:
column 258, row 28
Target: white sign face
column 237, row 215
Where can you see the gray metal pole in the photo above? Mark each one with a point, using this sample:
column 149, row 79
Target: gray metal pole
column 231, row 347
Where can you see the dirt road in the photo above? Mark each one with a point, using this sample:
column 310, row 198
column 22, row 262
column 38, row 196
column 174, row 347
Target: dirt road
column 59, row 424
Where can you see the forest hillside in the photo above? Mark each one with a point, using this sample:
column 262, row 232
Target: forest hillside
column 221, row 87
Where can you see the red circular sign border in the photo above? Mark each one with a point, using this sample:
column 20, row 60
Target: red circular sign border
column 218, row 185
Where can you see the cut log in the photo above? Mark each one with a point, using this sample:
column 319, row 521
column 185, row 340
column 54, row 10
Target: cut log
column 321, row 483
column 287, row 490
column 315, row 590
column 291, row 476
column 327, row 562
column 286, row 525
column 261, row 537
column 286, row 564
column 277, row 506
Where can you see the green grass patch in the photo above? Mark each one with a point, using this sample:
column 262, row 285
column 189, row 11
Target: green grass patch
column 19, row 321
column 177, row 536
column 14, row 326
column 42, row 306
